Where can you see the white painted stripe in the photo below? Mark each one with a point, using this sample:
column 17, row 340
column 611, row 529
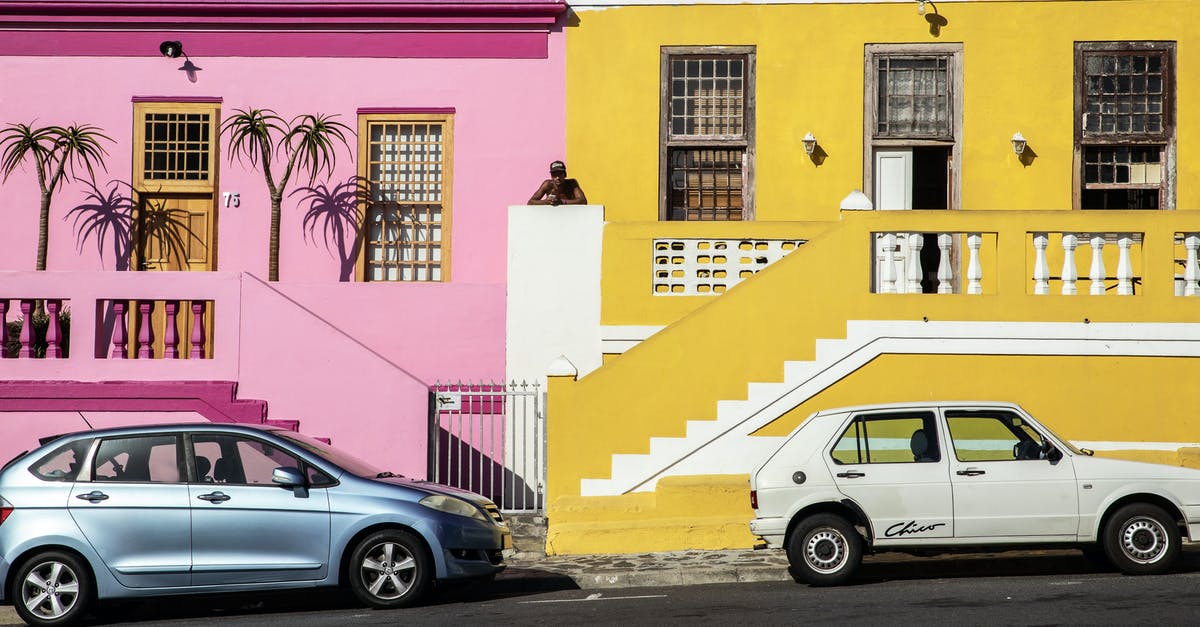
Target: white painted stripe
column 596, row 597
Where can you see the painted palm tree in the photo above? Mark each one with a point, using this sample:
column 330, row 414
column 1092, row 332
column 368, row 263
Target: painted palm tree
column 307, row 142
column 56, row 152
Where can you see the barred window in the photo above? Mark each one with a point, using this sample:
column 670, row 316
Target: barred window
column 1125, row 132
column 176, row 146
column 707, row 133
column 405, row 168
column 914, row 98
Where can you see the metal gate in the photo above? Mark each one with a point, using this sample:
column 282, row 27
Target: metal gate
column 490, row 438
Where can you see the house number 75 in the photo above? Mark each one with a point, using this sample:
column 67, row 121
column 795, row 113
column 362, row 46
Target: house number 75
column 232, row 199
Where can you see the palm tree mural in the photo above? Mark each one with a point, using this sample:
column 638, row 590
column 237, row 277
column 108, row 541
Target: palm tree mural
column 307, row 142
column 56, row 152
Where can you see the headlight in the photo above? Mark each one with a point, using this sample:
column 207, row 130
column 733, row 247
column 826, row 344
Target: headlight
column 451, row 505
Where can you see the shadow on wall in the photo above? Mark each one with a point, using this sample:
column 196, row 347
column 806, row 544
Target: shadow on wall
column 461, row 465
column 336, row 212
column 106, row 216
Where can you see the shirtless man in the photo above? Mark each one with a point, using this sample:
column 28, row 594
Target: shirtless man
column 558, row 189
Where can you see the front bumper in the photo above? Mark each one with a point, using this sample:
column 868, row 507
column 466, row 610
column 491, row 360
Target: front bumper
column 476, row 550
column 771, row 530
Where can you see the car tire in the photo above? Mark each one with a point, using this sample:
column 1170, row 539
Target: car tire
column 824, row 550
column 390, row 569
column 52, row 588
column 1141, row 539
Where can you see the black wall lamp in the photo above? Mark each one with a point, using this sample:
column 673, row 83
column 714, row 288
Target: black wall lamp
column 171, row 49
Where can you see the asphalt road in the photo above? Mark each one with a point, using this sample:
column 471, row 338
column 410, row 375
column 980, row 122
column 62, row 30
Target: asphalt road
column 1020, row 590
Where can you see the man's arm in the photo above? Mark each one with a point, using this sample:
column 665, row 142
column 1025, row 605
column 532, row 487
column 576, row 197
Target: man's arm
column 577, row 196
column 539, row 197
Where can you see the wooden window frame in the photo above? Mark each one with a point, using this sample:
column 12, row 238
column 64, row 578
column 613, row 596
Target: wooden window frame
column 140, row 183
column 954, row 54
column 745, row 141
column 447, row 121
column 1166, row 138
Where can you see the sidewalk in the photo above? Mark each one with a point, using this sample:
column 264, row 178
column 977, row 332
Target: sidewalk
column 652, row 569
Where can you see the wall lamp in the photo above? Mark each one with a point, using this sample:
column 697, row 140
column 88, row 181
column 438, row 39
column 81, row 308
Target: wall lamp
column 810, row 143
column 920, row 7
column 171, row 49
column 1018, row 143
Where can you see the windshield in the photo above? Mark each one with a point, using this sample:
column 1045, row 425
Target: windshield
column 344, row 460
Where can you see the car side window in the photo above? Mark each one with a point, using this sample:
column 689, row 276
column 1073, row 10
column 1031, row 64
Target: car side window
column 239, row 460
column 63, row 463
column 993, row 436
column 140, row 459
column 889, row 438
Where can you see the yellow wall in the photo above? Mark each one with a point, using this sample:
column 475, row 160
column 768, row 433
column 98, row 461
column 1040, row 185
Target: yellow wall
column 1018, row 76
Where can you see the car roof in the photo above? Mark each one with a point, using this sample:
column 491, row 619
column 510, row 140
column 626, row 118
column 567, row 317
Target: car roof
column 179, row 427
column 916, row 405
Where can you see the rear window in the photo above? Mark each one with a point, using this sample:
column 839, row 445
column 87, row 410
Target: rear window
column 63, row 463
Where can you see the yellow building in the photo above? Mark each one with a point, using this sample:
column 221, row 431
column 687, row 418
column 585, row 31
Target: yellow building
column 1042, row 160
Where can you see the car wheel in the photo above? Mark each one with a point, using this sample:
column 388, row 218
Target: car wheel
column 1141, row 539
column 824, row 550
column 52, row 588
column 389, row 569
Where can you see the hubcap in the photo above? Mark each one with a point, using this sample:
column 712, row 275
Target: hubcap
column 388, row 570
column 1144, row 540
column 50, row 590
column 825, row 550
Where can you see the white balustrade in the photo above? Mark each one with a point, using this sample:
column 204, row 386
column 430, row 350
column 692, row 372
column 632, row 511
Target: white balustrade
column 913, row 270
column 1097, row 272
column 887, row 273
column 1041, row 270
column 1069, row 276
column 974, row 269
column 945, row 273
column 1124, row 266
column 1191, row 268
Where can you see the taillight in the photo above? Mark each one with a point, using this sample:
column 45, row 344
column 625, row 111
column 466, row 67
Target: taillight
column 754, row 499
column 6, row 508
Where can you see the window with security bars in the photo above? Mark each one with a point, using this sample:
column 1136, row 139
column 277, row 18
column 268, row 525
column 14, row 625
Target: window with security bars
column 1125, row 124
column 406, row 173
column 707, row 133
column 176, row 146
column 913, row 96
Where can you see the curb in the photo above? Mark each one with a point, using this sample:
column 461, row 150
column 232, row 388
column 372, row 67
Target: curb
column 678, row 577
column 8, row 616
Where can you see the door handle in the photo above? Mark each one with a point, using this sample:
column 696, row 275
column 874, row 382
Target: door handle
column 851, row 474
column 970, row 472
column 214, row 497
column 95, row 496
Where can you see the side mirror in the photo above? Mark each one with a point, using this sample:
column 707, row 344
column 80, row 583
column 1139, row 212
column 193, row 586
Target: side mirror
column 1053, row 454
column 287, row 477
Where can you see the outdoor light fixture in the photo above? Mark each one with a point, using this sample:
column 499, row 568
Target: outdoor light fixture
column 1018, row 143
column 920, row 7
column 171, row 49
column 810, row 143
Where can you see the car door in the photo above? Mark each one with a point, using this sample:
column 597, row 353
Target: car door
column 1004, row 484
column 245, row 528
column 131, row 504
column 891, row 465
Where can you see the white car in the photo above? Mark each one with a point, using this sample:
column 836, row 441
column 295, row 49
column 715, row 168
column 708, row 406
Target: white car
column 960, row 476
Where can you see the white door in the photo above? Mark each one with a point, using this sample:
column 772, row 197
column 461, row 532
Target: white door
column 1003, row 485
column 904, row 492
column 893, row 191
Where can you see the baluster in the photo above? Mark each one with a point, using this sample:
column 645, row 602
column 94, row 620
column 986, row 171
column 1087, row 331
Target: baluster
column 914, row 270
column 26, row 329
column 3, row 328
column 974, row 269
column 145, row 332
column 197, row 330
column 1041, row 270
column 1098, row 272
column 170, row 333
column 945, row 272
column 53, row 349
column 1191, row 271
column 1069, row 243
column 120, row 336
column 1124, row 266
column 888, row 271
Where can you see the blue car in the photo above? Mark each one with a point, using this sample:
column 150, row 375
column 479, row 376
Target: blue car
column 209, row 508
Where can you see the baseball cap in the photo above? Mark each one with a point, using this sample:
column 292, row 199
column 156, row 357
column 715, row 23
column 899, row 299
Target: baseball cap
column 558, row 166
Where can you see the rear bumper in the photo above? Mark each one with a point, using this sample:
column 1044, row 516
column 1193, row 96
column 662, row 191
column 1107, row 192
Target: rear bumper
column 771, row 530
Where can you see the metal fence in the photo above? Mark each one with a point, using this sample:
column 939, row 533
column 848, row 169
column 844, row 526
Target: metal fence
column 490, row 438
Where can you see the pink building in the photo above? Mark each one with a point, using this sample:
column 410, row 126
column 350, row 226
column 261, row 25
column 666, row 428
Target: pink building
column 391, row 267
